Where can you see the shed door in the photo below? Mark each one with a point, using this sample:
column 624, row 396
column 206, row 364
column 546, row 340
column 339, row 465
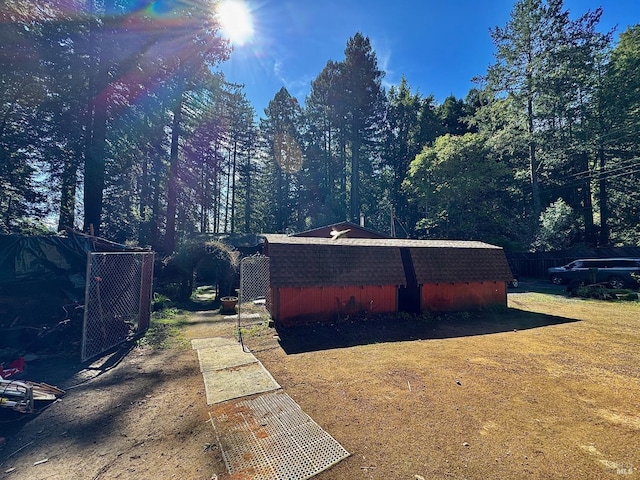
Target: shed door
column 409, row 296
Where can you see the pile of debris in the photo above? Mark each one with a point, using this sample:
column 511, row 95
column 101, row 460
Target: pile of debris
column 21, row 395
column 27, row 397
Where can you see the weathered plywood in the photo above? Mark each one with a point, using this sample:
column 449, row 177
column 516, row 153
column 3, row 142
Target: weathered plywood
column 236, row 382
column 317, row 304
column 448, row 297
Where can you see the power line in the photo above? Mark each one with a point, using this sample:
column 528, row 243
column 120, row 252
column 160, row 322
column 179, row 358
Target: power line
column 607, row 175
column 618, row 166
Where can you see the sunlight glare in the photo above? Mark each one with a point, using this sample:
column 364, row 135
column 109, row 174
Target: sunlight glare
column 235, row 21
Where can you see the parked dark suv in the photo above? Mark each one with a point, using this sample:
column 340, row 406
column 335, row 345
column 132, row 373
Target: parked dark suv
column 615, row 271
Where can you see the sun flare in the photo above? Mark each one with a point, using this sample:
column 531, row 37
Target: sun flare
column 235, row 21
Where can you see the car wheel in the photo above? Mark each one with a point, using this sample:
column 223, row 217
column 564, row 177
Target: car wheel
column 616, row 282
column 515, row 283
column 556, row 279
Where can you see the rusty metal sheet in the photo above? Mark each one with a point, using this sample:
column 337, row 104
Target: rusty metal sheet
column 269, row 437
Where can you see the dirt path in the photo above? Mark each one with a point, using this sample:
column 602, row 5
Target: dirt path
column 144, row 417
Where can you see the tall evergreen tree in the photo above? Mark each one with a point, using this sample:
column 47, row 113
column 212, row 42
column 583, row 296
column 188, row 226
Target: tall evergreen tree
column 619, row 146
column 523, row 50
column 324, row 173
column 454, row 115
column 200, row 50
column 410, row 124
column 281, row 131
column 546, row 84
column 363, row 98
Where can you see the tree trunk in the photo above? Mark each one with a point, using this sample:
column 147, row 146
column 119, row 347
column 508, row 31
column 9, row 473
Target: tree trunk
column 68, row 196
column 603, row 199
column 96, row 129
column 154, row 229
column 355, row 181
column 247, row 206
column 589, row 227
column 233, row 186
column 144, row 186
column 343, row 180
column 94, row 169
column 227, row 196
column 279, row 201
column 533, row 164
column 172, row 183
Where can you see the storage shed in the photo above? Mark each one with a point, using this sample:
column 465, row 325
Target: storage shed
column 322, row 279
column 460, row 275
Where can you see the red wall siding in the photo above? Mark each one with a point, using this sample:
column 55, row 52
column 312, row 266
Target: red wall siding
column 445, row 297
column 296, row 305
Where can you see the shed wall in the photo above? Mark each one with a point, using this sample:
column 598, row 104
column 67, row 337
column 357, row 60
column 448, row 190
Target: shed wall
column 445, row 297
column 299, row 305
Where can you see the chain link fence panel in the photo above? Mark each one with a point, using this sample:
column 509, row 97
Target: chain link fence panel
column 117, row 299
column 254, row 285
column 254, row 278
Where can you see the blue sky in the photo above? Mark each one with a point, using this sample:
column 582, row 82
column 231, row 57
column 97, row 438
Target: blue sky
column 438, row 45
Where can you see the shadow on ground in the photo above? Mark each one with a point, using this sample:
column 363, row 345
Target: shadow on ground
column 63, row 371
column 405, row 327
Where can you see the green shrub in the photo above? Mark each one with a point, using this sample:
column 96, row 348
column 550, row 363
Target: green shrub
column 220, row 261
column 600, row 292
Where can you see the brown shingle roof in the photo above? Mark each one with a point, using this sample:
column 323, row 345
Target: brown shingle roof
column 355, row 231
column 308, row 261
column 312, row 262
column 444, row 264
column 379, row 242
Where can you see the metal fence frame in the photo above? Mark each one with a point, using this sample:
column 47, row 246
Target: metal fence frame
column 117, row 299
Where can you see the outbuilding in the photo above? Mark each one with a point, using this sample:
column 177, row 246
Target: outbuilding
column 315, row 279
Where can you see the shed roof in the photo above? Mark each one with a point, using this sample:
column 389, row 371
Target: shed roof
column 354, row 231
column 379, row 242
column 313, row 262
column 308, row 261
column 461, row 264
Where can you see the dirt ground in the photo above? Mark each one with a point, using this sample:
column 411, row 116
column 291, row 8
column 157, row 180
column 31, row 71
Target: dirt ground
column 140, row 413
column 548, row 389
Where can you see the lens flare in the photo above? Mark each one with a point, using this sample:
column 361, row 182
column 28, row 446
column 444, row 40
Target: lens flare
column 235, row 21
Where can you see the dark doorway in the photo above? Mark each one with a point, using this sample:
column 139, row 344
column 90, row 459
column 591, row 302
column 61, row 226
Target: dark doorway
column 409, row 296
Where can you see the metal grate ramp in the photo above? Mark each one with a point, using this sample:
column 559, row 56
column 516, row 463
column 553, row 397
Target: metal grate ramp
column 269, row 437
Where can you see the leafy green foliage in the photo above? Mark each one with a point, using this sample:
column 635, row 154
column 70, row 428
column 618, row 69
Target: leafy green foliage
column 216, row 262
column 462, row 187
column 600, row 292
column 559, row 227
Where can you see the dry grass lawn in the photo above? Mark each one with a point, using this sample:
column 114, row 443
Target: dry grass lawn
column 548, row 389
